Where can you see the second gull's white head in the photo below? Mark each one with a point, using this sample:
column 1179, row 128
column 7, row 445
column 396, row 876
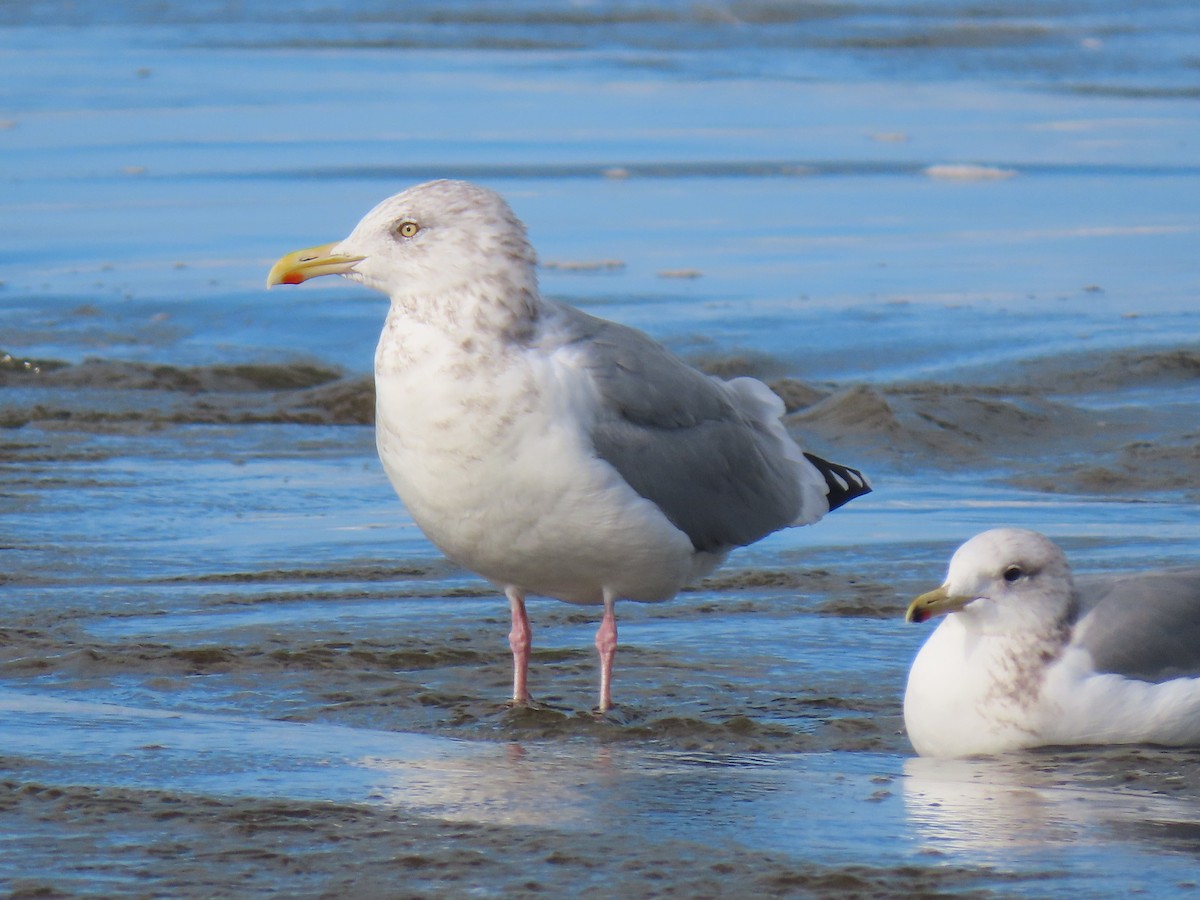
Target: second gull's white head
column 1002, row 580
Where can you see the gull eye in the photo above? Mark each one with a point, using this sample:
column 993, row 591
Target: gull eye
column 407, row 229
column 1012, row 573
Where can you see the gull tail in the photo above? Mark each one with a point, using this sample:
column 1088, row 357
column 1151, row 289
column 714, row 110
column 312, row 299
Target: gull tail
column 844, row 483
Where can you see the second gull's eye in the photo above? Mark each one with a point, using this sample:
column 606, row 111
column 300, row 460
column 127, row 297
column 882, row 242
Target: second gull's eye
column 407, row 229
column 1012, row 573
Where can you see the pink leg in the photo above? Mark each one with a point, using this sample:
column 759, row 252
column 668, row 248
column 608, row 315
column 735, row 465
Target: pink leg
column 606, row 644
column 520, row 639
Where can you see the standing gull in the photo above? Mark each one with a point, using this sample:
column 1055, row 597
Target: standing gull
column 1029, row 656
column 552, row 452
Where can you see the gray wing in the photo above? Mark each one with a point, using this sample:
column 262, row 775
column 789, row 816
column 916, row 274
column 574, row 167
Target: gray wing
column 1142, row 626
column 681, row 440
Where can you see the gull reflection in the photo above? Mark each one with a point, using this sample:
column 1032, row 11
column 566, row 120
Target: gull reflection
column 509, row 784
column 1004, row 807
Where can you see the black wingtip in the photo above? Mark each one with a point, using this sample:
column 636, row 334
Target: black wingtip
column 844, row 483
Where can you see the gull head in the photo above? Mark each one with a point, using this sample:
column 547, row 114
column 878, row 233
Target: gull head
column 434, row 240
column 1002, row 581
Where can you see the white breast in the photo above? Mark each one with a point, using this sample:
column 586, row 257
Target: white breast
column 490, row 455
column 967, row 695
column 970, row 693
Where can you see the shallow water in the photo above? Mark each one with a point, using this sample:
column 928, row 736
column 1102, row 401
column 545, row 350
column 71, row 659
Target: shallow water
column 962, row 244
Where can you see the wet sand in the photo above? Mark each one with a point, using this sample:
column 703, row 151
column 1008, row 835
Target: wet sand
column 256, row 846
column 1084, row 412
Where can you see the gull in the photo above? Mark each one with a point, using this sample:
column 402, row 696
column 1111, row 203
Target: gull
column 547, row 450
column 1029, row 656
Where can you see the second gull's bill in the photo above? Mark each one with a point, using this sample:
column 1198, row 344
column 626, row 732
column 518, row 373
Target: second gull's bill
column 550, row 451
column 1029, row 656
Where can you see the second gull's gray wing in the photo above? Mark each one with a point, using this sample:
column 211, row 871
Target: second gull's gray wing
column 701, row 450
column 1142, row 626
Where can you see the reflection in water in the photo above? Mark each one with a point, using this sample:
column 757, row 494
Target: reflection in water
column 507, row 788
column 778, row 804
column 1056, row 817
column 785, row 804
column 1057, row 808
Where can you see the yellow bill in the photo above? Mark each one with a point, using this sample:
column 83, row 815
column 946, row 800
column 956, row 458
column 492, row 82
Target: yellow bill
column 934, row 603
column 310, row 263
